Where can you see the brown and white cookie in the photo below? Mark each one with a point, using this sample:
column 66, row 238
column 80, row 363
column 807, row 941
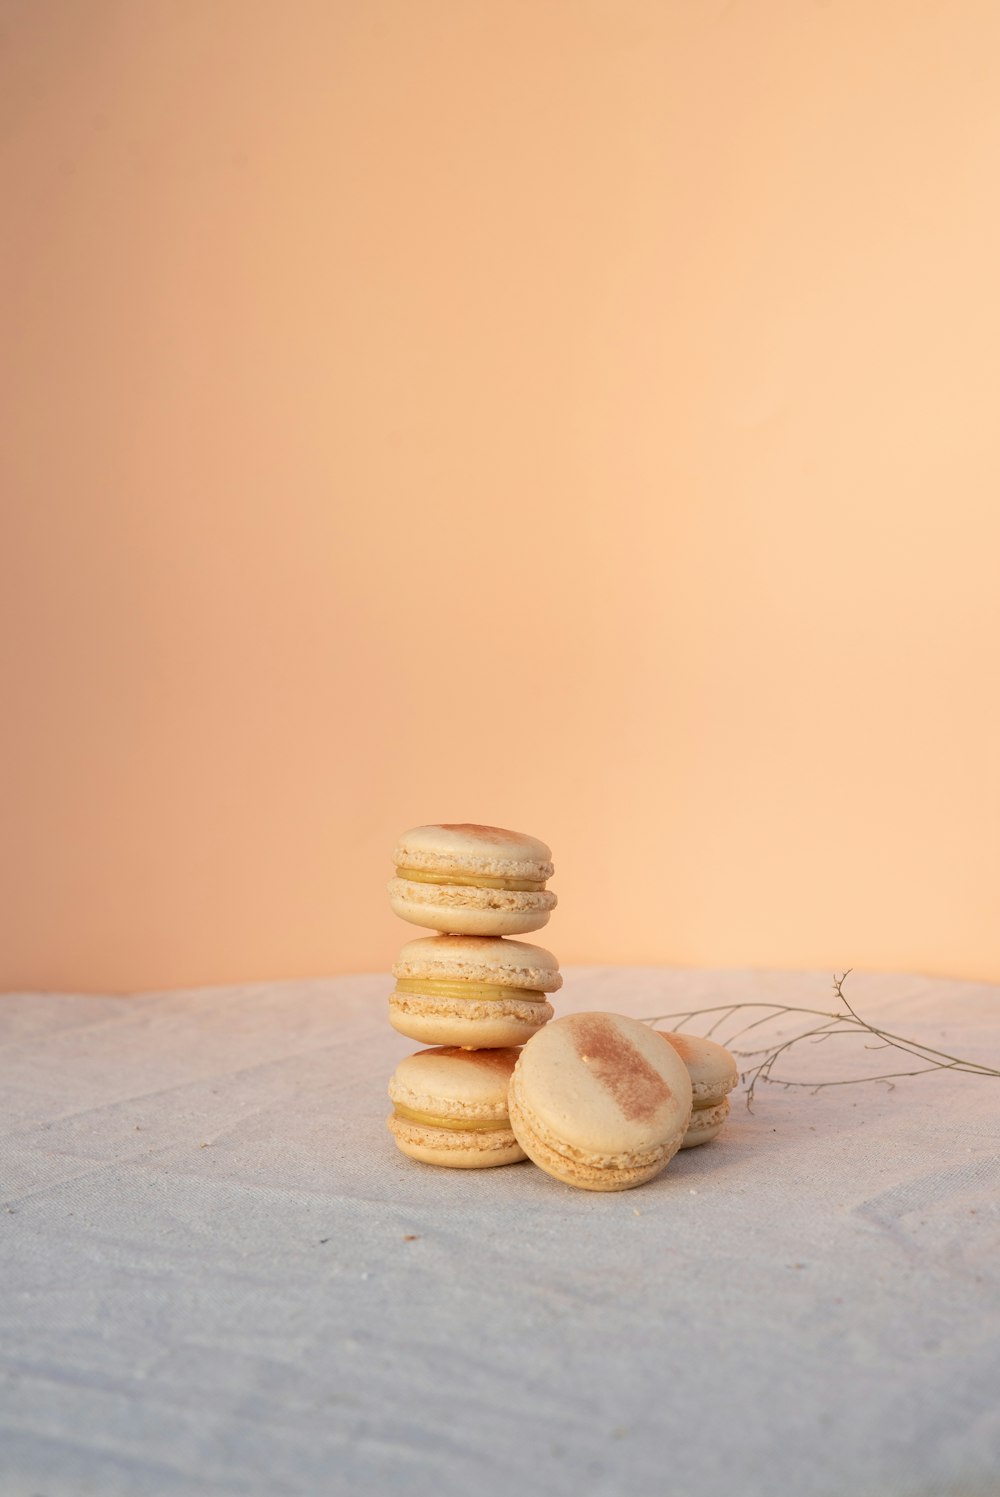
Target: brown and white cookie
column 598, row 1101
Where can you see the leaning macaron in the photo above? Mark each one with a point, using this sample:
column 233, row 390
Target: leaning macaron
column 598, row 1101
column 450, row 1107
column 472, row 880
column 713, row 1073
column 477, row 991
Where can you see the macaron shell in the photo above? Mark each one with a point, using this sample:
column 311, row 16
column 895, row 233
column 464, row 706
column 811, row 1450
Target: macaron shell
column 575, row 1172
column 712, row 1068
column 497, row 1023
column 456, row 847
column 465, row 910
column 706, row 1124
column 479, row 959
column 451, row 1082
column 454, row 1149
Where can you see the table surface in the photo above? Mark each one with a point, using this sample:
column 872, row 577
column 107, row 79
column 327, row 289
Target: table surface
column 219, row 1275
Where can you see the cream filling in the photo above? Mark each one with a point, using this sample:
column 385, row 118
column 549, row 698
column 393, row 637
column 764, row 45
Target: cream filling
column 464, row 1125
column 471, row 881
column 478, row 991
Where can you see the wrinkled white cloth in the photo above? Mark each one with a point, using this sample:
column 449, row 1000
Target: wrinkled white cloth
column 219, row 1275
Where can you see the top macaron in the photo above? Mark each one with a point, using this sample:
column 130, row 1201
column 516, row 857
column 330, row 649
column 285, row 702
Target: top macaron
column 465, row 879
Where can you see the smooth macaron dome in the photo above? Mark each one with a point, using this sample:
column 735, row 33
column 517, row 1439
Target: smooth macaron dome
column 597, row 1100
column 476, row 991
column 714, row 1073
column 450, row 1107
column 473, row 880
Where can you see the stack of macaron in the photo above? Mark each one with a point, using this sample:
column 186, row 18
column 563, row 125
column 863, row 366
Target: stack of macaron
column 470, row 991
column 597, row 1100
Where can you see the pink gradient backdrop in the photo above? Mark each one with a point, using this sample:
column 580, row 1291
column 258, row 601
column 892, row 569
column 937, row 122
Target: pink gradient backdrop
column 576, row 416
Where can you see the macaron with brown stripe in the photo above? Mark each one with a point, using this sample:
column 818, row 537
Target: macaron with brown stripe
column 714, row 1073
column 598, row 1101
column 450, row 1108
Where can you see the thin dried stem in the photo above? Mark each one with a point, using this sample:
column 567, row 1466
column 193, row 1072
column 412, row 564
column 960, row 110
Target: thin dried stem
column 836, row 1024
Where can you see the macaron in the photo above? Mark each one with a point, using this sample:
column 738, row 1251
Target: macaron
column 713, row 1073
column 598, row 1101
column 476, row 991
column 450, row 1107
column 472, row 880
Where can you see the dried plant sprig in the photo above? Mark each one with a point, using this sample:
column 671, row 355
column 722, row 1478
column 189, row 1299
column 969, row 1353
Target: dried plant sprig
column 846, row 1022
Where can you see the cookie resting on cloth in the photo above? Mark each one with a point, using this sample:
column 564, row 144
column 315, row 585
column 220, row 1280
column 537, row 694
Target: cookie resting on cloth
column 598, row 1101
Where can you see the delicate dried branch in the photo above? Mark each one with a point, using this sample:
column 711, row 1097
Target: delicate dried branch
column 835, row 1025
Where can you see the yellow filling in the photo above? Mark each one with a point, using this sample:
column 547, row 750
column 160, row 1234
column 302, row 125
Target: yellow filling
column 471, row 881
column 464, row 1125
column 440, row 988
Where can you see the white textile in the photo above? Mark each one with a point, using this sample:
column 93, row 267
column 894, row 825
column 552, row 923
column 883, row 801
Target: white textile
column 218, row 1275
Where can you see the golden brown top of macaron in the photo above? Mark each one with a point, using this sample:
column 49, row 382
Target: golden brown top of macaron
column 447, row 1081
column 636, row 1086
column 712, row 1068
column 470, row 848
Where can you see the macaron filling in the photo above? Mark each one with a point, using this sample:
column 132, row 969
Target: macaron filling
column 471, row 881
column 463, row 1125
column 483, row 992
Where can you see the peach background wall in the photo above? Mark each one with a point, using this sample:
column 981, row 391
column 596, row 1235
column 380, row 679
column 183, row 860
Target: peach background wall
column 579, row 415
